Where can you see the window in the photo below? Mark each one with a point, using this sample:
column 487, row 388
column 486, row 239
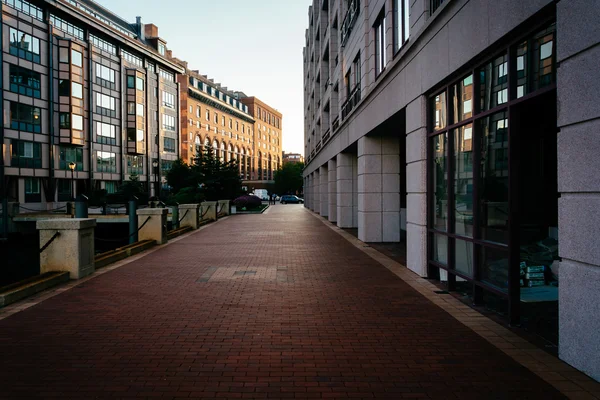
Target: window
column 139, row 84
column 64, row 120
column 66, row 27
column 140, row 110
column 161, row 49
column 27, row 8
column 166, row 75
column 165, row 166
column 77, row 122
column 401, row 23
column 77, row 90
column 168, row 99
column 223, row 121
column 169, row 145
column 32, row 190
column 24, row 46
column 131, row 108
column 64, row 190
column 69, row 155
column 380, row 44
column 106, row 133
column 230, row 123
column 191, row 109
column 130, row 82
column 103, row 45
column 135, row 165
column 130, row 58
column 435, row 4
column 26, row 154
column 216, row 118
column 168, row 122
column 106, row 162
column 25, row 117
column 208, row 115
column 105, row 105
column 25, row 81
column 110, row 187
column 76, row 58
column 197, row 112
column 105, row 76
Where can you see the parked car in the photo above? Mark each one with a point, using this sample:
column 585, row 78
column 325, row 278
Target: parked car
column 291, row 199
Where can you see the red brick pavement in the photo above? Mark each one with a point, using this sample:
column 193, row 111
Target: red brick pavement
column 258, row 306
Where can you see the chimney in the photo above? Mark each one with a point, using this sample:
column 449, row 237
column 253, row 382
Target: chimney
column 139, row 28
column 151, row 30
column 169, row 53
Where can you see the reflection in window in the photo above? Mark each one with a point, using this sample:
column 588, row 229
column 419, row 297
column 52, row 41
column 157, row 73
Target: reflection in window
column 25, row 117
column 24, row 46
column 536, row 62
column 439, row 112
column 76, row 58
column 493, row 206
column 440, row 182
column 106, row 162
column 69, row 155
column 494, row 83
column 463, row 180
column 25, row 81
column 464, row 257
column 440, row 249
column 494, row 267
column 462, row 100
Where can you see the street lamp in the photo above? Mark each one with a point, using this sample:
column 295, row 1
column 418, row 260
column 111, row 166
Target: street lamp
column 155, row 166
column 72, row 166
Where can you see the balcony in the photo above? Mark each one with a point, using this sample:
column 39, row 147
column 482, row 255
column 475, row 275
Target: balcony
column 327, row 135
column 352, row 101
column 350, row 20
column 318, row 146
column 336, row 124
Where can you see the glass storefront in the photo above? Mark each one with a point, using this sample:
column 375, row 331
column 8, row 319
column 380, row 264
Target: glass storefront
column 490, row 163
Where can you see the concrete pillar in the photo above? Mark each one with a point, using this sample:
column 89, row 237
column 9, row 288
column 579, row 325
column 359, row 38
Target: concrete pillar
column 579, row 185
column 309, row 192
column 317, row 192
column 332, row 183
column 324, row 190
column 345, row 190
column 379, row 189
column 156, row 227
column 208, row 210
column 223, row 206
column 189, row 215
column 355, row 191
column 72, row 250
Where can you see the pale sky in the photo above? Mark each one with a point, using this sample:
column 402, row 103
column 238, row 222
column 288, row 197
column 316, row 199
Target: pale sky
column 251, row 46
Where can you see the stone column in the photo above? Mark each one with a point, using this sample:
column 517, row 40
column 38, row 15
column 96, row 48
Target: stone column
column 223, row 206
column 324, row 190
column 579, row 185
column 355, row 191
column 416, row 186
column 317, row 192
column 189, row 215
column 332, row 183
column 379, row 189
column 209, row 210
column 345, row 192
column 72, row 250
column 156, row 227
column 308, row 193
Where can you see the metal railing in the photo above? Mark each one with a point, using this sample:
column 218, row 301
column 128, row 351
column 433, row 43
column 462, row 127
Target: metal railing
column 351, row 102
column 327, row 135
column 350, row 20
column 336, row 124
column 435, row 4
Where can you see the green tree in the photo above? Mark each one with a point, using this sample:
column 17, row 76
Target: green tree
column 216, row 180
column 288, row 179
column 179, row 176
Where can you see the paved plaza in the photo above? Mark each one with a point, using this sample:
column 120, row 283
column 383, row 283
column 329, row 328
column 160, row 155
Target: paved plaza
column 276, row 306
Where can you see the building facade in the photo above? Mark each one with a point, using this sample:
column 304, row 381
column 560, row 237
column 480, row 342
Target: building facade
column 267, row 140
column 436, row 123
column 89, row 100
column 293, row 158
column 212, row 116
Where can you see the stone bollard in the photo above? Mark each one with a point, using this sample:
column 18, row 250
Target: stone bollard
column 209, row 210
column 72, row 250
column 224, row 207
column 189, row 215
column 156, row 227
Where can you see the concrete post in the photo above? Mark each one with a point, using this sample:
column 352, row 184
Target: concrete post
column 344, row 201
column 72, row 250
column 156, row 227
column 332, row 189
column 379, row 189
column 174, row 217
column 324, row 190
column 189, row 215
column 317, row 192
column 133, row 222
column 209, row 210
column 224, row 206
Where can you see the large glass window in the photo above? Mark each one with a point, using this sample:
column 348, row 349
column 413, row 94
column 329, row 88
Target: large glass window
column 106, row 105
column 26, row 154
column 106, row 162
column 169, row 145
column 493, row 83
column 168, row 99
column 135, row 165
column 69, row 155
column 65, row 186
column 76, row 58
column 105, row 76
column 440, row 182
column 106, row 133
column 25, row 81
column 380, row 44
column 168, row 122
column 77, row 90
column 463, row 180
column 24, row 46
column 33, row 193
column 25, row 117
column 401, row 23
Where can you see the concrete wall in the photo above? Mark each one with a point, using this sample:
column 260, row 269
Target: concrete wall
column 579, row 183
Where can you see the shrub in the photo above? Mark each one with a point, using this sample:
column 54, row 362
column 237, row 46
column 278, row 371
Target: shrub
column 248, row 201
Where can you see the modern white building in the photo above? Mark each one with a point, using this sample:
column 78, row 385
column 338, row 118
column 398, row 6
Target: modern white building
column 468, row 129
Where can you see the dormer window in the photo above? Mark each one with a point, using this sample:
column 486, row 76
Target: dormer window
column 161, row 49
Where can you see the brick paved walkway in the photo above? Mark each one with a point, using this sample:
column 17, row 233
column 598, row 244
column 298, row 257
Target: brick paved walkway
column 258, row 306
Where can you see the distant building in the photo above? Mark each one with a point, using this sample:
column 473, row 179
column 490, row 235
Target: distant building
column 293, row 158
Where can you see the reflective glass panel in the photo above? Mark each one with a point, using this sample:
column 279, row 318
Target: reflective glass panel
column 439, row 112
column 464, row 257
column 463, row 180
column 493, row 185
column 462, row 100
column 440, row 249
column 440, row 182
column 494, row 268
column 493, row 83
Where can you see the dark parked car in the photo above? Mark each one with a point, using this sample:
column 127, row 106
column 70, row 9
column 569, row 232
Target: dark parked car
column 288, row 198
